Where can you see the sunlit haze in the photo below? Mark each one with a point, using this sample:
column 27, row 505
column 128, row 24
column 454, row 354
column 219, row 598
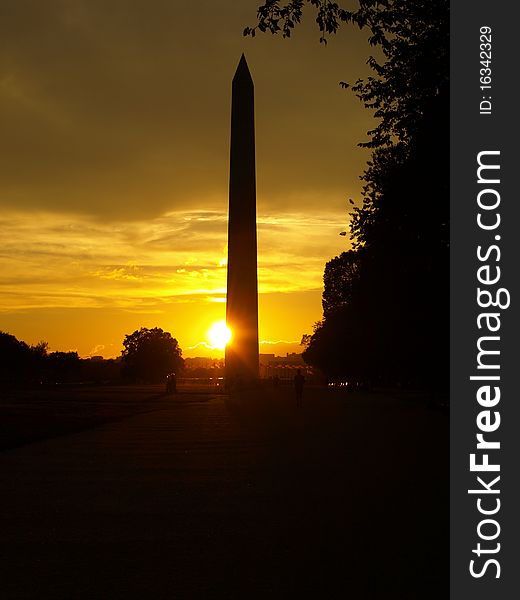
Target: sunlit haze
column 219, row 335
column 114, row 170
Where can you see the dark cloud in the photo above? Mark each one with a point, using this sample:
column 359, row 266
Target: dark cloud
column 121, row 109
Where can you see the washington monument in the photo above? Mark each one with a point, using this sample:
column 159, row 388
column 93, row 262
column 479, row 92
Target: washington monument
column 242, row 286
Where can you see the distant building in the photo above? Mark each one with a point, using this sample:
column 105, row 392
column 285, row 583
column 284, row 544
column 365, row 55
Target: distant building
column 265, row 359
column 283, row 367
column 293, row 359
column 202, row 362
column 202, row 367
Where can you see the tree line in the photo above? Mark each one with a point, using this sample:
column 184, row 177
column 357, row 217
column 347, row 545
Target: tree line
column 386, row 300
column 148, row 356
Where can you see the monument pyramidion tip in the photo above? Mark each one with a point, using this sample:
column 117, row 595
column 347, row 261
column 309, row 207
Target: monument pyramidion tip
column 242, row 74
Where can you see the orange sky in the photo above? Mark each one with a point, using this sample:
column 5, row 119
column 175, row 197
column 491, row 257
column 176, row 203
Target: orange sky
column 114, row 169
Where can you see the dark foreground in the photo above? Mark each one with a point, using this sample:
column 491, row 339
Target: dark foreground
column 205, row 496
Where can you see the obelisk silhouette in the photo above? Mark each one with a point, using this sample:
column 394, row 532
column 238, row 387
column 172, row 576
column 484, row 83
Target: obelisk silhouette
column 242, row 286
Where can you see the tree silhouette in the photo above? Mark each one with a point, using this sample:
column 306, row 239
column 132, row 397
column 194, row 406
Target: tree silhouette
column 150, row 354
column 21, row 364
column 386, row 304
column 340, row 279
column 15, row 360
column 63, row 366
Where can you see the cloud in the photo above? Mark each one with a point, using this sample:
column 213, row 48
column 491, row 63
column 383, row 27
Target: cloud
column 68, row 260
column 280, row 347
column 121, row 110
column 114, row 164
column 97, row 350
column 278, row 342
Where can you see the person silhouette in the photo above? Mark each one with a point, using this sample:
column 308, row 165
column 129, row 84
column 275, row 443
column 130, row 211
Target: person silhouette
column 299, row 380
column 171, row 384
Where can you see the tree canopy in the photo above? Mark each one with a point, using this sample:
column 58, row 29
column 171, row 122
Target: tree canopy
column 16, row 359
column 413, row 38
column 150, row 354
column 385, row 302
column 21, row 364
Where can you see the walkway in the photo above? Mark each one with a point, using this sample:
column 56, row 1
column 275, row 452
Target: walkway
column 204, row 498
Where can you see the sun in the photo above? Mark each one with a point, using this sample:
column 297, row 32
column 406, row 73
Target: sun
column 219, row 335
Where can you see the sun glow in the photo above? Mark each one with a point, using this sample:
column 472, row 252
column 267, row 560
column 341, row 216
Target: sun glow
column 219, row 335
